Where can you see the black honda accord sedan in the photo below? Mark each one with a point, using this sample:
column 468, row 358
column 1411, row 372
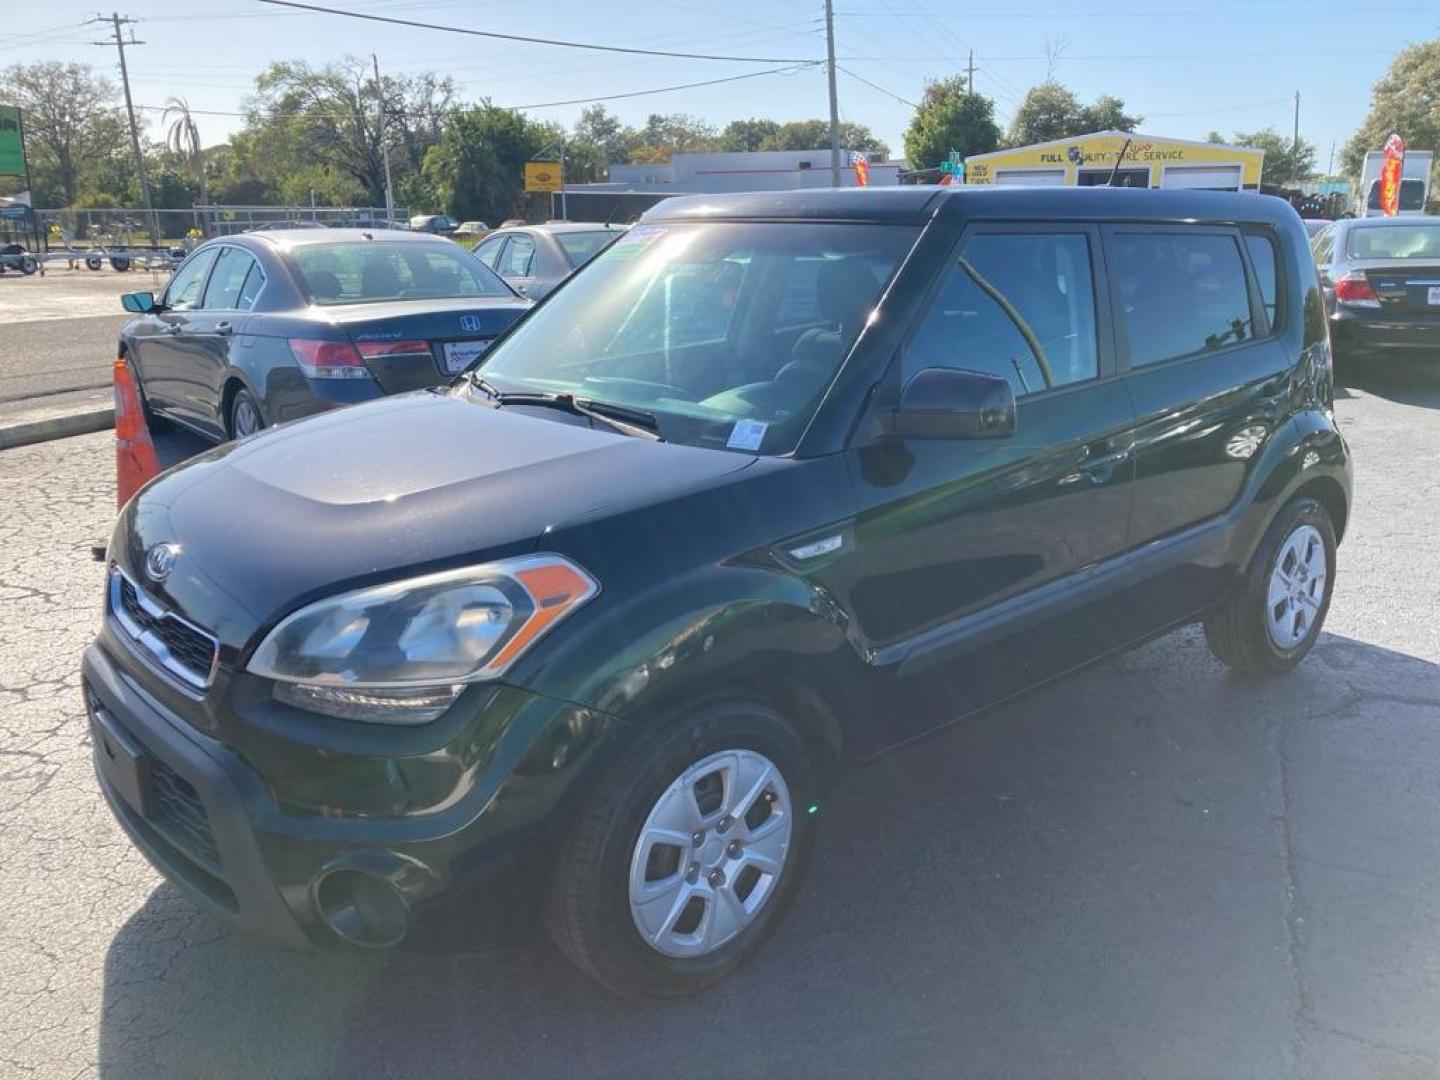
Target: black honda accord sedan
column 771, row 485
column 270, row 326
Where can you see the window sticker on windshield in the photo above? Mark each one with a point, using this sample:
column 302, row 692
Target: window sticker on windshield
column 747, row 435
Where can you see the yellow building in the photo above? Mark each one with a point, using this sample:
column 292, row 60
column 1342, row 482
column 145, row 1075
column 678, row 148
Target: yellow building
column 1087, row 160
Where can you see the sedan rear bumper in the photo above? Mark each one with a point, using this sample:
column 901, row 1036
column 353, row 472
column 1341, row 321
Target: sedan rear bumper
column 1387, row 332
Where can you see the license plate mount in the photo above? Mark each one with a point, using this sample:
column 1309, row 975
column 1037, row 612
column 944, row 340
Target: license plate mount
column 123, row 760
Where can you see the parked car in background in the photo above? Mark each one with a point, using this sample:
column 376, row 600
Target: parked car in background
column 277, row 324
column 1380, row 278
column 1414, row 183
column 533, row 259
column 470, row 231
column 433, row 223
column 774, row 484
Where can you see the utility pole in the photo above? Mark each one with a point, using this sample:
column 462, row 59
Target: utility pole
column 1330, row 168
column 970, row 74
column 834, row 99
column 384, row 143
column 1295, row 141
column 116, row 21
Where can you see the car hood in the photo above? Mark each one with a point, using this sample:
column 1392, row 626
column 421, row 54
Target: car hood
column 391, row 487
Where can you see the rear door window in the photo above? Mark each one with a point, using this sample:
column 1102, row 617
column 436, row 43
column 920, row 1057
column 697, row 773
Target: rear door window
column 581, row 247
column 1017, row 305
column 226, row 283
column 489, row 252
column 518, row 256
column 1180, row 293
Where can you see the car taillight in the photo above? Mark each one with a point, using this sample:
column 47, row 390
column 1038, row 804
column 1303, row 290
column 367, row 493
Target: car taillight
column 329, row 359
column 375, row 350
column 1355, row 289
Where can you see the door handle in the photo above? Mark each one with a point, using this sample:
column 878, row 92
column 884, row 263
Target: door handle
column 1098, row 469
column 172, row 328
column 224, row 327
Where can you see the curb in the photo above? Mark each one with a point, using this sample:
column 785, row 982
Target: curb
column 58, row 427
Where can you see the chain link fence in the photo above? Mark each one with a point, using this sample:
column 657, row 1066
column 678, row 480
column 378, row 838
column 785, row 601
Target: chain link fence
column 117, row 228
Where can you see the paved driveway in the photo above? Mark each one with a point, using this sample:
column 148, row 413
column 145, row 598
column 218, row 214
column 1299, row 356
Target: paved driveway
column 1156, row 869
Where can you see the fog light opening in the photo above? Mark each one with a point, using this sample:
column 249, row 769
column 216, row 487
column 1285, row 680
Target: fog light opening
column 362, row 908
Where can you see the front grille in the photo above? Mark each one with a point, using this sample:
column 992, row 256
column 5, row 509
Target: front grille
column 177, row 814
column 180, row 647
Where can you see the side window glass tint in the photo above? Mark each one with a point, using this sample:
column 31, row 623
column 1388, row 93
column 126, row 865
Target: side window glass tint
column 183, row 292
column 1017, row 305
column 489, row 251
column 231, row 269
column 518, row 256
column 1262, row 261
column 1180, row 293
column 254, row 282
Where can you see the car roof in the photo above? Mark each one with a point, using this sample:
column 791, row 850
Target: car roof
column 288, row 239
column 915, row 204
column 1390, row 222
column 562, row 227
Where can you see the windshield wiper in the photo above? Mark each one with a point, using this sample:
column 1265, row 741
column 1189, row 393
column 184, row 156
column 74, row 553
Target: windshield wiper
column 621, row 418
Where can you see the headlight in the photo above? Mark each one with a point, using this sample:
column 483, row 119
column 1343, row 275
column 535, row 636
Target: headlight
column 399, row 653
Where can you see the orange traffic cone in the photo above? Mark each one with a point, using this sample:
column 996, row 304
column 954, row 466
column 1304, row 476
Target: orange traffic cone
column 135, row 459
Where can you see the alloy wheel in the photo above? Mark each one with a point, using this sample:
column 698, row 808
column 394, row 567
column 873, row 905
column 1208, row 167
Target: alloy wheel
column 710, row 853
column 1296, row 592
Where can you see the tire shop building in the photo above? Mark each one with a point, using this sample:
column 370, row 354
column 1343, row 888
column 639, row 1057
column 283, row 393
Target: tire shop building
column 1151, row 162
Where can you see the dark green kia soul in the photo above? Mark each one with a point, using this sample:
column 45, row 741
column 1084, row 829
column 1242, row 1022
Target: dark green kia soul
column 773, row 484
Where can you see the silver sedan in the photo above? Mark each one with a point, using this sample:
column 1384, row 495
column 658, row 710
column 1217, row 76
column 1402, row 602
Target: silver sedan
column 533, row 259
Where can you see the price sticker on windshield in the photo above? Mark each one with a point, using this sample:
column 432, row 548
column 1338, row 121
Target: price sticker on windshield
column 747, row 435
column 1433, row 296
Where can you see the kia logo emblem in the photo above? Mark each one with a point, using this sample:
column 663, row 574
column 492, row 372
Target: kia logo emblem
column 470, row 324
column 160, row 560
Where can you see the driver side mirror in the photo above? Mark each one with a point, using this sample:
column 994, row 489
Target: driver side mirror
column 951, row 403
column 139, row 303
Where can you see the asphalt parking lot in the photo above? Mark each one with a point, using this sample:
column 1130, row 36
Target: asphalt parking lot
column 58, row 332
column 1154, row 870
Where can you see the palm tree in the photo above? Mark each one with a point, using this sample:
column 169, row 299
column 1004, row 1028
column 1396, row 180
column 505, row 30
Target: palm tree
column 183, row 137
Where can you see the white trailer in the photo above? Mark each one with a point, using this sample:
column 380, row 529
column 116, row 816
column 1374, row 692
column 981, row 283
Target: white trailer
column 1414, row 183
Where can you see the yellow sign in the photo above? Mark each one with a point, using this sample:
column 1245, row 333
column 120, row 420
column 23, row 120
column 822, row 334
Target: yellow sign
column 1089, row 159
column 543, row 176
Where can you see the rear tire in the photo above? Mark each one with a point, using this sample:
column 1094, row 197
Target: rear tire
column 93, row 262
column 612, row 860
column 1274, row 616
column 245, row 417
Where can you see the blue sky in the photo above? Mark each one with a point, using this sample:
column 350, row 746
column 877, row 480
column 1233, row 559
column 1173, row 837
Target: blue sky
column 1187, row 66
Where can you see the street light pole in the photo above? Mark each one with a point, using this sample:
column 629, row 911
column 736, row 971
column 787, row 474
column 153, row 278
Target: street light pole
column 834, row 99
column 384, row 144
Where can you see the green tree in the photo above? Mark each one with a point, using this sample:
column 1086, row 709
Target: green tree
column 1051, row 111
column 320, row 129
column 1286, row 163
column 672, row 133
column 815, row 135
column 600, row 127
column 748, row 134
column 1405, row 101
column 477, row 168
column 72, row 124
column 950, row 118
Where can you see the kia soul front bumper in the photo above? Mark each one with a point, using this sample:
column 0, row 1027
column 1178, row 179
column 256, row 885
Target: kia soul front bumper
column 223, row 834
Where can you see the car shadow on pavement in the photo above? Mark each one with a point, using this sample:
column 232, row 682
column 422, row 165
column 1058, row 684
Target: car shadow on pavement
column 1410, row 385
column 1156, row 868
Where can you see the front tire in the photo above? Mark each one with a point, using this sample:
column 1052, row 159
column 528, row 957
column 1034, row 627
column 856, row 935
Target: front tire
column 1273, row 618
column 688, row 854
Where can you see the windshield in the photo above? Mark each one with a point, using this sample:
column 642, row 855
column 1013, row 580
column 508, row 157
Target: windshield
column 367, row 271
column 1410, row 240
column 728, row 332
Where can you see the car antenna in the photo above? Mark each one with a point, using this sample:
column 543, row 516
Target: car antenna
column 614, row 209
column 1118, row 159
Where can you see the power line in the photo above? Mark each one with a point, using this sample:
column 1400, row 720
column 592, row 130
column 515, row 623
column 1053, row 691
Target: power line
column 533, row 40
column 876, row 86
column 787, row 69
